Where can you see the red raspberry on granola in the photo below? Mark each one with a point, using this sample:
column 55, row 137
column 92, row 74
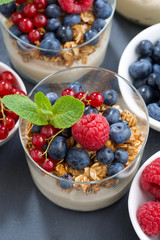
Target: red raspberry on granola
column 75, row 6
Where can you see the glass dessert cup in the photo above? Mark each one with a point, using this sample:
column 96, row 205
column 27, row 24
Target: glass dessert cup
column 86, row 195
column 34, row 66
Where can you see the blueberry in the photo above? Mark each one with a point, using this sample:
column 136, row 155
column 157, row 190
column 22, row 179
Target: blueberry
column 154, row 111
column 52, row 25
column 140, row 69
column 58, row 148
column 64, row 34
column 44, row 147
column 36, row 128
column 144, row 48
column 24, row 47
column 156, row 68
column 53, row 11
column 157, row 43
column 119, row 132
column 121, row 156
column 110, row 97
column 77, row 158
column 66, row 133
column 102, row 9
column 99, row 24
column 114, row 168
column 89, row 34
column 48, row 35
column 52, row 96
column 158, row 81
column 112, row 115
column 147, row 93
column 105, row 155
column 71, row 19
column 77, row 87
column 50, row 44
column 52, row 2
column 15, row 30
column 8, row 9
column 123, row 121
column 89, row 109
column 139, row 82
column 151, row 80
column 66, row 184
column 156, row 54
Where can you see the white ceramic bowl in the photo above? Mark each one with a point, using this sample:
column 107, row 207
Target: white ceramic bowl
column 129, row 56
column 21, row 86
column 137, row 197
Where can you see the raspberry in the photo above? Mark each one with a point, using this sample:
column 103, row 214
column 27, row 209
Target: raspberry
column 150, row 178
column 75, row 6
column 148, row 216
column 91, row 131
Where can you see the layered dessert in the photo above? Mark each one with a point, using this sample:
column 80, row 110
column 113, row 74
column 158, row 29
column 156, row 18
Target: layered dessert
column 42, row 38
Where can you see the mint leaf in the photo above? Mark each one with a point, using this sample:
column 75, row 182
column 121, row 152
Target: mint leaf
column 48, row 114
column 67, row 111
column 5, row 1
column 42, row 101
column 25, row 108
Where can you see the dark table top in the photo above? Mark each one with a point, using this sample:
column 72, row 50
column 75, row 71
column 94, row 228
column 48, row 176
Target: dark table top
column 26, row 214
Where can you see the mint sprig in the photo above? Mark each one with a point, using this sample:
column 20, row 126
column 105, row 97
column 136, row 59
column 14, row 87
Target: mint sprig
column 64, row 113
column 5, row 1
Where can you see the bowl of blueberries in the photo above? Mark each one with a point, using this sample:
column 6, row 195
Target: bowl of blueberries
column 140, row 65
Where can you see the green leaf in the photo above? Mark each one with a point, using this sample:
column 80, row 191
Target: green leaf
column 42, row 101
column 25, row 108
column 67, row 111
column 47, row 113
column 5, row 1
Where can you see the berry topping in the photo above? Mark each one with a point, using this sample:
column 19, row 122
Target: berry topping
column 119, row 132
column 8, row 9
column 3, row 131
column 36, row 154
column 53, row 11
column 89, row 34
column 5, row 87
column 121, row 156
column 110, row 97
column 34, row 35
column 52, row 96
column 148, row 216
column 71, row 19
column 25, row 25
column 105, row 155
column 39, row 20
column 77, row 6
column 154, row 111
column 96, row 99
column 48, row 131
column 66, row 184
column 64, row 34
column 150, row 180
column 36, row 128
column 114, row 168
column 19, row 92
column 77, row 87
column 9, row 122
column 58, row 148
column 6, row 75
column 29, row 10
column 77, row 158
column 49, row 164
column 52, row 25
column 15, row 30
column 52, row 46
column 99, row 24
column 16, row 17
column 81, row 95
column 112, row 115
column 40, row 4
column 69, row 91
column 91, row 131
column 144, row 48
column 38, row 140
column 102, row 9
column 89, row 109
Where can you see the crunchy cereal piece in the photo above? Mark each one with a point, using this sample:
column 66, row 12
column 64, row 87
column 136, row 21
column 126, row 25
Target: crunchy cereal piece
column 60, row 170
column 73, row 172
column 78, row 33
column 98, row 170
column 73, row 45
column 82, row 178
column 129, row 117
column 110, row 145
column 87, row 49
column 70, row 142
column 88, row 17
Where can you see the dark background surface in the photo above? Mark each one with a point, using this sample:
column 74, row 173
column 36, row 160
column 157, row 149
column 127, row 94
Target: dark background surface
column 25, row 214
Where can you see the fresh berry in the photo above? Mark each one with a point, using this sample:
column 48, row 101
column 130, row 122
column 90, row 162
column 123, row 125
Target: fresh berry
column 16, row 17
column 69, row 91
column 51, row 47
column 156, row 54
column 52, row 25
column 11, row 114
column 119, row 132
column 21, row 1
column 34, row 35
column 29, row 10
column 140, row 69
column 58, row 148
column 3, row 132
column 37, row 155
column 53, row 11
column 89, row 34
column 110, row 97
column 154, row 111
column 156, row 68
column 105, row 155
column 20, row 92
column 150, row 180
column 147, row 93
column 64, row 34
column 38, row 140
column 89, row 109
column 48, row 131
column 140, row 82
column 36, row 128
column 77, row 158
column 66, row 184
column 52, row 2
column 91, row 131
column 102, row 9
column 66, row 133
column 96, row 99
column 48, row 164
column 25, row 25
column 121, row 156
column 148, row 216
column 153, row 79
column 5, row 87
column 81, row 95
column 8, row 9
column 71, row 19
column 48, row 35
column 24, row 47
column 99, row 24
column 114, row 168
column 77, row 87
column 144, row 48
column 40, row 4
column 39, row 20
column 14, row 29
column 52, row 96
column 9, row 122
column 112, row 115
column 7, row 75
column 73, row 6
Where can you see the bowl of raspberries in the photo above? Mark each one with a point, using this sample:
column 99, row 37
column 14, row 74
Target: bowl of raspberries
column 144, row 199
column 45, row 36
column 82, row 143
column 10, row 83
column 140, row 64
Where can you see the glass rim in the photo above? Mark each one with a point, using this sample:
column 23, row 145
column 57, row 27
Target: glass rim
column 107, row 178
column 65, row 49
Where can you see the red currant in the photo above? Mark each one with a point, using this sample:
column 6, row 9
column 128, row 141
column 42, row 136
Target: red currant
column 49, row 164
column 38, row 140
column 80, row 95
column 13, row 90
column 5, row 87
column 11, row 114
column 25, row 25
column 9, row 122
column 29, row 10
column 69, row 91
column 34, row 35
column 16, row 17
column 6, row 75
column 36, row 154
column 96, row 99
column 21, row 1
column 39, row 20
column 3, row 132
column 48, row 131
column 19, row 92
column 40, row 4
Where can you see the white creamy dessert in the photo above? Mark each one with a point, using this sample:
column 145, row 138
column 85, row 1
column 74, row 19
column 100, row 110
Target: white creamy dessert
column 144, row 12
